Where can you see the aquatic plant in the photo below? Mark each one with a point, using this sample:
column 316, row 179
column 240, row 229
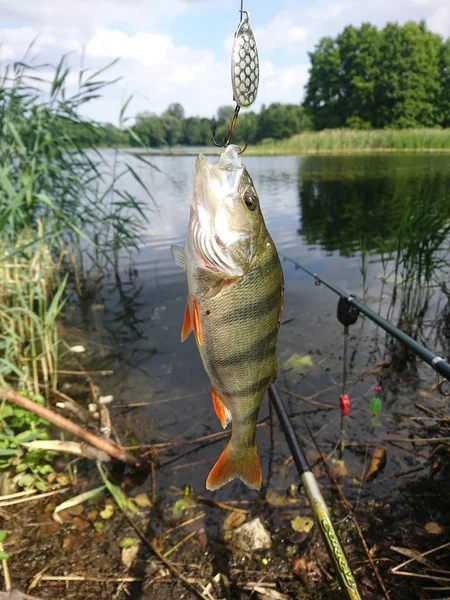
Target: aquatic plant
column 63, row 209
column 45, row 174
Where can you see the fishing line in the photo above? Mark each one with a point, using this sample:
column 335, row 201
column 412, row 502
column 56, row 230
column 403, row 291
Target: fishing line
column 437, row 363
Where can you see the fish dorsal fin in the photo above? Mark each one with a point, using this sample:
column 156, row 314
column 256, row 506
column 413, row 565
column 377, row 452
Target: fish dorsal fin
column 178, row 256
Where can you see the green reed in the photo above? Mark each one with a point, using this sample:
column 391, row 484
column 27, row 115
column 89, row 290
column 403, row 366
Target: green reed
column 357, row 140
column 65, row 212
column 419, row 259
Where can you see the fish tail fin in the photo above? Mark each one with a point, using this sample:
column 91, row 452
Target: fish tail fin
column 236, row 461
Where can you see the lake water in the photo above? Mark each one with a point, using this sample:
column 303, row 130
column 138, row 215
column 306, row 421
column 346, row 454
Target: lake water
column 320, row 211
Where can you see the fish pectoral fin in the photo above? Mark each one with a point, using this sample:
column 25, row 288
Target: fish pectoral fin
column 186, row 328
column 222, row 411
column 242, row 462
column 178, row 256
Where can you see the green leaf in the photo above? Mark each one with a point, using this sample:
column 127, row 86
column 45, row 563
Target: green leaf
column 4, row 555
column 299, row 364
column 6, row 411
column 128, row 542
column 26, row 480
column 2, row 535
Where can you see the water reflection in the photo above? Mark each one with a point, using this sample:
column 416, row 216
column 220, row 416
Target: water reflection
column 346, row 199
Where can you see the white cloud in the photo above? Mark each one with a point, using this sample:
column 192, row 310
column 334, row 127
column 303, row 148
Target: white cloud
column 300, row 27
column 157, row 69
column 281, row 32
column 146, row 48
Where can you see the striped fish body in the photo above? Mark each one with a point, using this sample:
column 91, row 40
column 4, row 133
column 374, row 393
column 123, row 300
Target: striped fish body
column 234, row 306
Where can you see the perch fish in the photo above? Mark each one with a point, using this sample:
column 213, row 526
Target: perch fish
column 235, row 297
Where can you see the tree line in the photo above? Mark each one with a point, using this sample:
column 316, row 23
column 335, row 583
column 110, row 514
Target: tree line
column 364, row 78
column 172, row 127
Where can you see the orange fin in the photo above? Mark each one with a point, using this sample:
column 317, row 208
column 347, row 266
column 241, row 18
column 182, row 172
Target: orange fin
column 240, row 462
column 196, row 324
column 187, row 325
column 222, row 411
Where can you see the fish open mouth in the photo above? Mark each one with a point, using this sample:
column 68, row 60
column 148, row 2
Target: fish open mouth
column 210, row 248
column 209, row 229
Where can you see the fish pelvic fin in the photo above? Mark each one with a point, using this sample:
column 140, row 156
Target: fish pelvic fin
column 186, row 328
column 222, row 411
column 236, row 461
column 196, row 323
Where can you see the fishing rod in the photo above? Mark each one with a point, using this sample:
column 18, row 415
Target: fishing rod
column 316, row 500
column 354, row 307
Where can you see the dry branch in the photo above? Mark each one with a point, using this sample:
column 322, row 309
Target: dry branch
column 45, row 413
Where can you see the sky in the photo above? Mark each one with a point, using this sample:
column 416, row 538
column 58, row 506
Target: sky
column 179, row 50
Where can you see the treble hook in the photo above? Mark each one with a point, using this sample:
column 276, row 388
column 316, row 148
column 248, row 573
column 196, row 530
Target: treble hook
column 229, row 133
column 230, row 130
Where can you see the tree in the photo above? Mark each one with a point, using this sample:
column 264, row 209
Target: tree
column 173, row 128
column 371, row 78
column 408, row 87
column 359, row 65
column 224, row 114
column 175, row 110
column 150, row 129
column 323, row 91
column 280, row 121
column 445, row 83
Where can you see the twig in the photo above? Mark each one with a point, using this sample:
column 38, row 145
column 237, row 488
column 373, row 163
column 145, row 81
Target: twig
column 63, row 423
column 165, row 562
column 351, row 511
column 104, row 372
column 309, row 400
column 188, row 522
column 35, row 497
column 154, row 402
column 94, row 579
column 418, row 440
column 180, row 543
column 152, row 467
column 17, row 495
column 403, row 564
column 195, row 462
column 6, row 576
column 420, row 575
column 222, row 505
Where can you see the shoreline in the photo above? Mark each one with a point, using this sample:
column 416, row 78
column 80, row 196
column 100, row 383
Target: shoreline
column 261, row 151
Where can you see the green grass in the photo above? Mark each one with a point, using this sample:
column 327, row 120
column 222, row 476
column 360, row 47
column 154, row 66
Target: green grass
column 357, row 140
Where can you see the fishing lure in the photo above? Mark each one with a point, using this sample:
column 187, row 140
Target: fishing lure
column 244, row 64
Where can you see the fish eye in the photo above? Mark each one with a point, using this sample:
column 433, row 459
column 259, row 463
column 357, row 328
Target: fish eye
column 250, row 201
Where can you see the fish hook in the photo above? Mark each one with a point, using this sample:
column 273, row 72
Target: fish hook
column 230, row 130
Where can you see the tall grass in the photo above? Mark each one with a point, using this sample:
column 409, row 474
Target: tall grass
column 415, row 265
column 63, row 209
column 30, row 302
column 357, row 140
